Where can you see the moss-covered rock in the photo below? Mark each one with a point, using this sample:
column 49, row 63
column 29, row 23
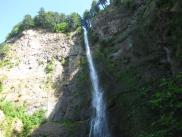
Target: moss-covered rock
column 132, row 62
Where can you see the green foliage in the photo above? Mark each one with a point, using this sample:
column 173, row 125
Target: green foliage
column 67, row 123
column 79, row 30
column 166, row 102
column 40, row 18
column 128, row 4
column 74, row 21
column 27, row 22
column 15, row 31
column 103, row 3
column 166, row 105
column 167, row 4
column 93, row 37
column 4, row 51
column 6, row 63
column 49, row 67
column 12, row 112
column 94, row 8
column 51, row 21
column 86, row 15
column 62, row 27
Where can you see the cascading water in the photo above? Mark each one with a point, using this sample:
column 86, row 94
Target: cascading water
column 98, row 127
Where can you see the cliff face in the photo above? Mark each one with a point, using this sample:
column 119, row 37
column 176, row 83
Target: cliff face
column 136, row 46
column 39, row 71
column 137, row 50
column 29, row 81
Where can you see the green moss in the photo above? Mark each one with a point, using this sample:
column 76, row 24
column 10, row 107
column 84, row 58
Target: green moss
column 166, row 106
column 68, row 124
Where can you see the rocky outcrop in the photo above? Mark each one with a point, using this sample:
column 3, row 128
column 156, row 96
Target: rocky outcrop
column 135, row 46
column 27, row 82
column 43, row 75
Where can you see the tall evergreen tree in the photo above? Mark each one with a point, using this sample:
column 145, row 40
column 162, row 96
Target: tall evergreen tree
column 103, row 3
column 94, row 8
column 27, row 22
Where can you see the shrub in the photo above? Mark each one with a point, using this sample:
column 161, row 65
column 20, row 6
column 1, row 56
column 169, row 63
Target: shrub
column 28, row 22
column 49, row 67
column 12, row 112
column 51, row 21
column 4, row 49
column 166, row 108
column 15, row 31
column 61, row 27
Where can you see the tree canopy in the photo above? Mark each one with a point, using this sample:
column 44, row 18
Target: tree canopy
column 94, row 10
column 51, row 21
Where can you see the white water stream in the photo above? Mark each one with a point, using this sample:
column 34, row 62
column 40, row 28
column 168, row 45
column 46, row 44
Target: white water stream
column 98, row 126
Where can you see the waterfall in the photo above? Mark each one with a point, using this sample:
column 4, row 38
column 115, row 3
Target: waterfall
column 98, row 125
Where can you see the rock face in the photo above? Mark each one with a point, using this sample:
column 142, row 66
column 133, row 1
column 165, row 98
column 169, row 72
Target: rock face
column 27, row 82
column 42, row 74
column 135, row 46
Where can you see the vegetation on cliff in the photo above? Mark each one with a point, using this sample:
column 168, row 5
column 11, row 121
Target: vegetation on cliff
column 139, row 62
column 51, row 21
column 14, row 115
column 137, row 50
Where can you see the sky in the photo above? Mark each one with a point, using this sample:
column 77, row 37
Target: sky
column 13, row 11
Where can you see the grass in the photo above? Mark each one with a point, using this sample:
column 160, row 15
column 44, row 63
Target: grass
column 13, row 112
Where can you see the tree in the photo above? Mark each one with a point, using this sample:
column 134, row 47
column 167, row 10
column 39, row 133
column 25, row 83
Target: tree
column 61, row 27
column 27, row 22
column 50, row 21
column 40, row 18
column 15, row 31
column 87, row 17
column 62, row 17
column 94, row 8
column 103, row 3
column 74, row 21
